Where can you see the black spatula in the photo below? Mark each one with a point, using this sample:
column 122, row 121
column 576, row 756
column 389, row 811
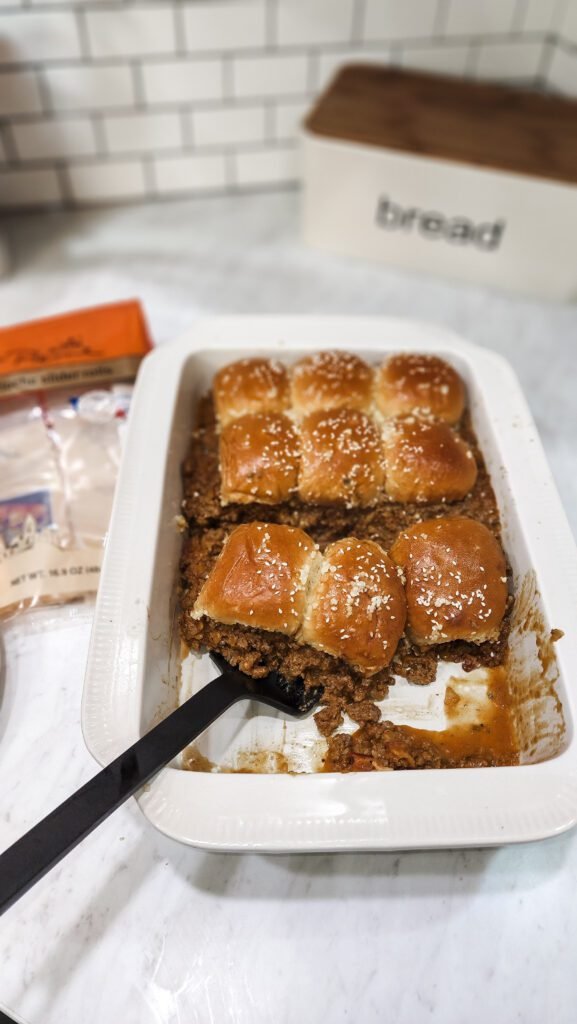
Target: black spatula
column 40, row 849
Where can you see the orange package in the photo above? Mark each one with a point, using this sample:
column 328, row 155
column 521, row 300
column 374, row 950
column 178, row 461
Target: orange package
column 88, row 346
column 65, row 387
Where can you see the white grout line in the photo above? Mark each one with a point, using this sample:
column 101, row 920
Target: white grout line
column 547, row 54
column 83, row 34
column 179, row 30
column 519, row 15
column 473, row 59
column 150, row 183
column 314, row 72
column 100, row 136
column 45, row 97
column 225, row 150
column 140, row 103
column 358, row 21
column 269, row 123
column 417, row 41
column 441, row 18
column 10, row 150
column 65, row 186
column 271, row 25
column 227, row 78
column 187, row 128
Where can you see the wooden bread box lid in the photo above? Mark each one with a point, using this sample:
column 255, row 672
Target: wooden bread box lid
column 442, row 117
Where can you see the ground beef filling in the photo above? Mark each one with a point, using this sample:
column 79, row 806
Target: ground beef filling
column 376, row 745
column 382, row 746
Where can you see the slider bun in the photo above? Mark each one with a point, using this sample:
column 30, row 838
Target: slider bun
column 259, row 578
column 422, row 384
column 356, row 608
column 259, row 459
column 456, row 580
column 341, row 458
column 250, row 385
column 331, row 380
column 426, row 462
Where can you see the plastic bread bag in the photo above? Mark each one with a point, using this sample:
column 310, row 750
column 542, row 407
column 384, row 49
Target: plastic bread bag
column 31, row 487
column 60, row 449
column 87, row 430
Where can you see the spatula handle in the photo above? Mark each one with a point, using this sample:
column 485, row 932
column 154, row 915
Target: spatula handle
column 40, row 849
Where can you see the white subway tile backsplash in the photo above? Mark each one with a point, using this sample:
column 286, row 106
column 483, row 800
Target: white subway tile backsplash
column 278, row 75
column 210, row 90
column 267, row 165
column 183, row 174
column 563, row 71
column 228, row 126
column 100, row 181
column 329, row 63
column 516, row 61
column 399, row 19
column 288, row 117
column 218, row 25
column 182, row 81
column 302, row 23
column 90, row 87
column 19, row 93
column 38, row 36
column 447, row 60
column 142, row 132
column 26, row 187
column 477, row 17
column 54, row 138
column 131, row 31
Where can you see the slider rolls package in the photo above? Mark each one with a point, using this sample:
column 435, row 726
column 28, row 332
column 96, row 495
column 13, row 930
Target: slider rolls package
column 65, row 387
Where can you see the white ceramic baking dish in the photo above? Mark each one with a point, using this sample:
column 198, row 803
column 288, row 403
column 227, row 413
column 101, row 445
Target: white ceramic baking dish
column 134, row 673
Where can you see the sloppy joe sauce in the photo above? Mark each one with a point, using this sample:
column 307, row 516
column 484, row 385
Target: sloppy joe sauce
column 479, row 734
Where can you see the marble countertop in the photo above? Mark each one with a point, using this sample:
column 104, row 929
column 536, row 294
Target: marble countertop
column 135, row 928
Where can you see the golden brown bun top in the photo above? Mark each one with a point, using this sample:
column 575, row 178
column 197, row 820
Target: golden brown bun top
column 331, row 380
column 456, row 583
column 259, row 578
column 356, row 608
column 259, row 459
column 412, row 383
column 426, row 461
column 342, row 458
column 250, row 385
